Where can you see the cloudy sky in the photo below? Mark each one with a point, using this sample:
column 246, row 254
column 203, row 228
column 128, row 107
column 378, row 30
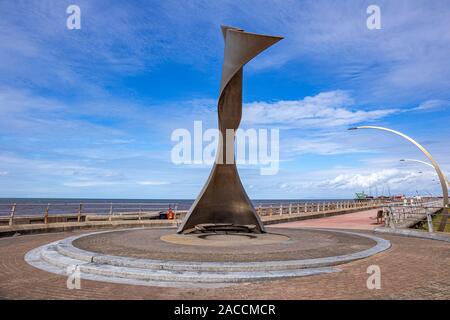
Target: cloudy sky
column 90, row 112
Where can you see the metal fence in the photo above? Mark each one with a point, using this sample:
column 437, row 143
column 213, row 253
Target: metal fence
column 420, row 214
column 273, row 209
column 30, row 213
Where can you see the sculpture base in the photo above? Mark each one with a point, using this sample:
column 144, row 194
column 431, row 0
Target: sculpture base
column 145, row 257
column 225, row 239
column 222, row 228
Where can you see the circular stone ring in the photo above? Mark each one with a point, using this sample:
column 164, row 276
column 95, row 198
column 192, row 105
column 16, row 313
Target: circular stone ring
column 62, row 257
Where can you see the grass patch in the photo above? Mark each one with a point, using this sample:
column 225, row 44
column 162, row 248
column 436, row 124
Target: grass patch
column 436, row 223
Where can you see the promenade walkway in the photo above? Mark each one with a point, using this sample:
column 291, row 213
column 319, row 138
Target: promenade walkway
column 362, row 220
column 411, row 269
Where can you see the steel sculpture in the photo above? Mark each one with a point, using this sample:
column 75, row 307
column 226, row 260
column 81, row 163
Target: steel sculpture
column 223, row 203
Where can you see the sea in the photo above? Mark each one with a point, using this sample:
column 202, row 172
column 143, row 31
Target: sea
column 38, row 206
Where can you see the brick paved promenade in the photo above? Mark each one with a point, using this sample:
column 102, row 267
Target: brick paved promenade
column 363, row 220
column 412, row 269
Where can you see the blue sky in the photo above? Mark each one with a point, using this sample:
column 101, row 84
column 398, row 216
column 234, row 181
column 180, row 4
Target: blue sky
column 89, row 112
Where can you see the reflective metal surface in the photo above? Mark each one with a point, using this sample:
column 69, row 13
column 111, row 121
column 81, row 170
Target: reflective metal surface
column 223, row 198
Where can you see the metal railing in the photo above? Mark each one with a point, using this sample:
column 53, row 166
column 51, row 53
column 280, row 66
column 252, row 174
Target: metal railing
column 274, row 209
column 30, row 213
column 420, row 214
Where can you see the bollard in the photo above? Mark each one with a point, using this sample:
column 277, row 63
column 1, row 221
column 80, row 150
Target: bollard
column 46, row 214
column 388, row 218
column 290, row 208
column 318, row 207
column 110, row 212
column 170, row 214
column 175, row 211
column 270, row 210
column 11, row 216
column 80, row 207
column 306, row 207
column 281, row 209
column 298, row 208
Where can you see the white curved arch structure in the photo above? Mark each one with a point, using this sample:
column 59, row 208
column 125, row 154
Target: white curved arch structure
column 442, row 178
column 427, row 164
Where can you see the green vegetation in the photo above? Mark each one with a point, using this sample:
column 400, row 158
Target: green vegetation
column 436, row 222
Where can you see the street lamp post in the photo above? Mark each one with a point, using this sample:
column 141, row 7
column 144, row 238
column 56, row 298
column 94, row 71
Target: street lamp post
column 430, row 165
column 436, row 167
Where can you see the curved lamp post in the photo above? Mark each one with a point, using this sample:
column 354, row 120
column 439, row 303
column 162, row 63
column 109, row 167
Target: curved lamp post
column 428, row 164
column 441, row 176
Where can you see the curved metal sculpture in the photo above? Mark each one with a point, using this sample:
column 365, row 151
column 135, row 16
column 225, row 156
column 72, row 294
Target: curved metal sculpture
column 428, row 164
column 442, row 178
column 223, row 202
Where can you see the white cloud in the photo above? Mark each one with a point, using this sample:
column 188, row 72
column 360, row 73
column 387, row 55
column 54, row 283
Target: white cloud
column 152, row 183
column 88, row 183
column 319, row 145
column 326, row 109
column 3, row 173
column 433, row 105
column 391, row 177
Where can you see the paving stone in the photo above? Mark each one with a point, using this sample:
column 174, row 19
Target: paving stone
column 411, row 269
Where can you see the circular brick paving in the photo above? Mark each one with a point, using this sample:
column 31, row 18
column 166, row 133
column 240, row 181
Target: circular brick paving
column 411, row 269
column 297, row 244
column 224, row 240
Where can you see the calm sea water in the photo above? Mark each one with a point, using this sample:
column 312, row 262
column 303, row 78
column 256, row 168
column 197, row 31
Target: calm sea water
column 37, row 206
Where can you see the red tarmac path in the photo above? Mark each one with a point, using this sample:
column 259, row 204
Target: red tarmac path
column 362, row 220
